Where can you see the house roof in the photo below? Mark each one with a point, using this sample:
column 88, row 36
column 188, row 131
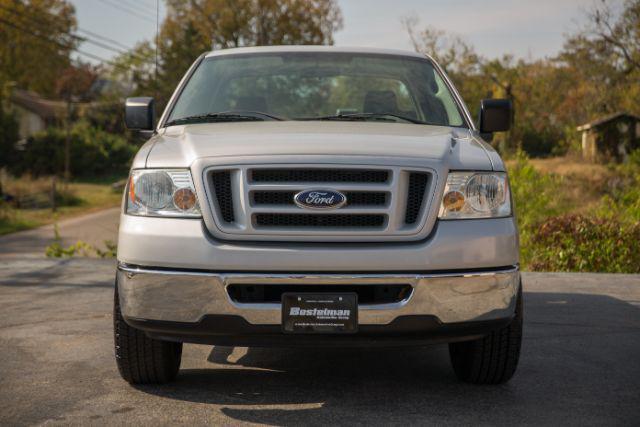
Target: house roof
column 606, row 119
column 33, row 102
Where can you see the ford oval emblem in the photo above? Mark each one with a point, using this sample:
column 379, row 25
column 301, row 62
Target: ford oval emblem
column 320, row 199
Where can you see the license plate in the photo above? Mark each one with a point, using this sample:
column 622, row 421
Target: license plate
column 309, row 313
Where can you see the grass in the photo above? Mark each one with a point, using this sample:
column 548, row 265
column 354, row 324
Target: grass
column 77, row 198
column 576, row 216
column 582, row 184
column 10, row 222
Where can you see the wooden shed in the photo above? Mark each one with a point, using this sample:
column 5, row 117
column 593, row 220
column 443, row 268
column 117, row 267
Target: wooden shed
column 610, row 138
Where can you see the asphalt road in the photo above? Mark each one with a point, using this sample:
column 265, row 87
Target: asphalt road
column 580, row 364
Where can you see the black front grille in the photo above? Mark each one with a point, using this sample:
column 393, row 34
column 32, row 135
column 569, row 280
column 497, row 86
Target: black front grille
column 319, row 220
column 367, row 294
column 415, row 196
column 319, row 175
column 364, row 198
column 354, row 198
column 222, row 186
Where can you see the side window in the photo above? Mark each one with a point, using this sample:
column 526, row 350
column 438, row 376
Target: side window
column 449, row 104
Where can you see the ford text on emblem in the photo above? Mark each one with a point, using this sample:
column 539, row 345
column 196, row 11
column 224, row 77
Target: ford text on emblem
column 320, row 199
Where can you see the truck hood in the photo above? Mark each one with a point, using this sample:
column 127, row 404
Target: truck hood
column 180, row 146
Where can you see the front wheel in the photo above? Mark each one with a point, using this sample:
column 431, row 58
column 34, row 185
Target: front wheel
column 492, row 359
column 140, row 359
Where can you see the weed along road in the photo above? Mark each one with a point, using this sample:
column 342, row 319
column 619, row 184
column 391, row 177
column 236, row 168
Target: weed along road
column 93, row 229
column 582, row 340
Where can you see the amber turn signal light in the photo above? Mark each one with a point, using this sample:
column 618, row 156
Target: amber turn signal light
column 132, row 190
column 453, row 201
column 184, row 199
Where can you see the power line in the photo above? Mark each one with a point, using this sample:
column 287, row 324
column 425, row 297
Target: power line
column 82, row 38
column 62, row 45
column 44, row 23
column 150, row 3
column 99, row 44
column 56, row 42
column 141, row 7
column 32, row 18
column 111, row 48
column 107, row 39
column 127, row 10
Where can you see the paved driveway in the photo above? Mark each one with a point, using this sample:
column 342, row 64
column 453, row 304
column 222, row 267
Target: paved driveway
column 580, row 364
column 93, row 228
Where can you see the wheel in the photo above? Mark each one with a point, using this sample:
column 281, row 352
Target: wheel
column 140, row 359
column 492, row 359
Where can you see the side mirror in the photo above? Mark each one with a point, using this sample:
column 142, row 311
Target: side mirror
column 139, row 113
column 495, row 115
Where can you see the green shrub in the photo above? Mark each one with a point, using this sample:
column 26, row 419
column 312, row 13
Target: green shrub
column 535, row 194
column 535, row 198
column 606, row 240
column 8, row 136
column 93, row 152
column 623, row 199
column 581, row 243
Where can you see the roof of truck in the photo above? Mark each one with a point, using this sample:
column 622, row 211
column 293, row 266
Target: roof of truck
column 331, row 49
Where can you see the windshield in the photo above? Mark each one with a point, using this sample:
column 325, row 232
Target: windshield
column 317, row 86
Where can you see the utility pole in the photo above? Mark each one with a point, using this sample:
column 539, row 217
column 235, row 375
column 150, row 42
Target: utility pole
column 67, row 143
column 53, row 193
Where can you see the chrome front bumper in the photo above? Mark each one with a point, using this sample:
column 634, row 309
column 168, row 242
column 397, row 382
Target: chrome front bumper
column 189, row 296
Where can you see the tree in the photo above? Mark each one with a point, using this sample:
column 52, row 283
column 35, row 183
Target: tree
column 605, row 55
column 195, row 26
column 596, row 73
column 35, row 42
column 457, row 57
column 74, row 85
column 451, row 51
column 475, row 77
column 619, row 35
column 8, row 133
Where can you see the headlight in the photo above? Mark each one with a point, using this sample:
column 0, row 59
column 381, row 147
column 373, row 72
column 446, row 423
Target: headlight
column 154, row 192
column 475, row 195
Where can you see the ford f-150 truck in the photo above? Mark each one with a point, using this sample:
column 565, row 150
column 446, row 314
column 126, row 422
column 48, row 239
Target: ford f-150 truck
column 317, row 196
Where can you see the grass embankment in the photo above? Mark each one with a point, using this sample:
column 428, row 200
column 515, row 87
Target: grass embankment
column 576, row 216
column 74, row 199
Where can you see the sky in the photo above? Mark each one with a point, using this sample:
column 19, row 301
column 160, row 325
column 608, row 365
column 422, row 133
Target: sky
column 525, row 28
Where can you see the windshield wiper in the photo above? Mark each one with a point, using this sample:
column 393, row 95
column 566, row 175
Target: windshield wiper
column 225, row 116
column 365, row 116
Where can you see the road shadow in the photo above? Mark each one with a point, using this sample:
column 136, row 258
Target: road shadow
column 577, row 350
column 60, row 273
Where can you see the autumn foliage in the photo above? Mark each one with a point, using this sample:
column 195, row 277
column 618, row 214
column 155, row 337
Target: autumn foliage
column 586, row 243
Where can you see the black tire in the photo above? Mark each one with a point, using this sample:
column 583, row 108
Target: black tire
column 492, row 359
column 140, row 359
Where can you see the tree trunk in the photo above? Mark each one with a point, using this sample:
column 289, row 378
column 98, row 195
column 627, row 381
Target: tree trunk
column 67, row 144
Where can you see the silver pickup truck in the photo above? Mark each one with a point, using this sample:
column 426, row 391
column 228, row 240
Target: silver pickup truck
column 317, row 196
